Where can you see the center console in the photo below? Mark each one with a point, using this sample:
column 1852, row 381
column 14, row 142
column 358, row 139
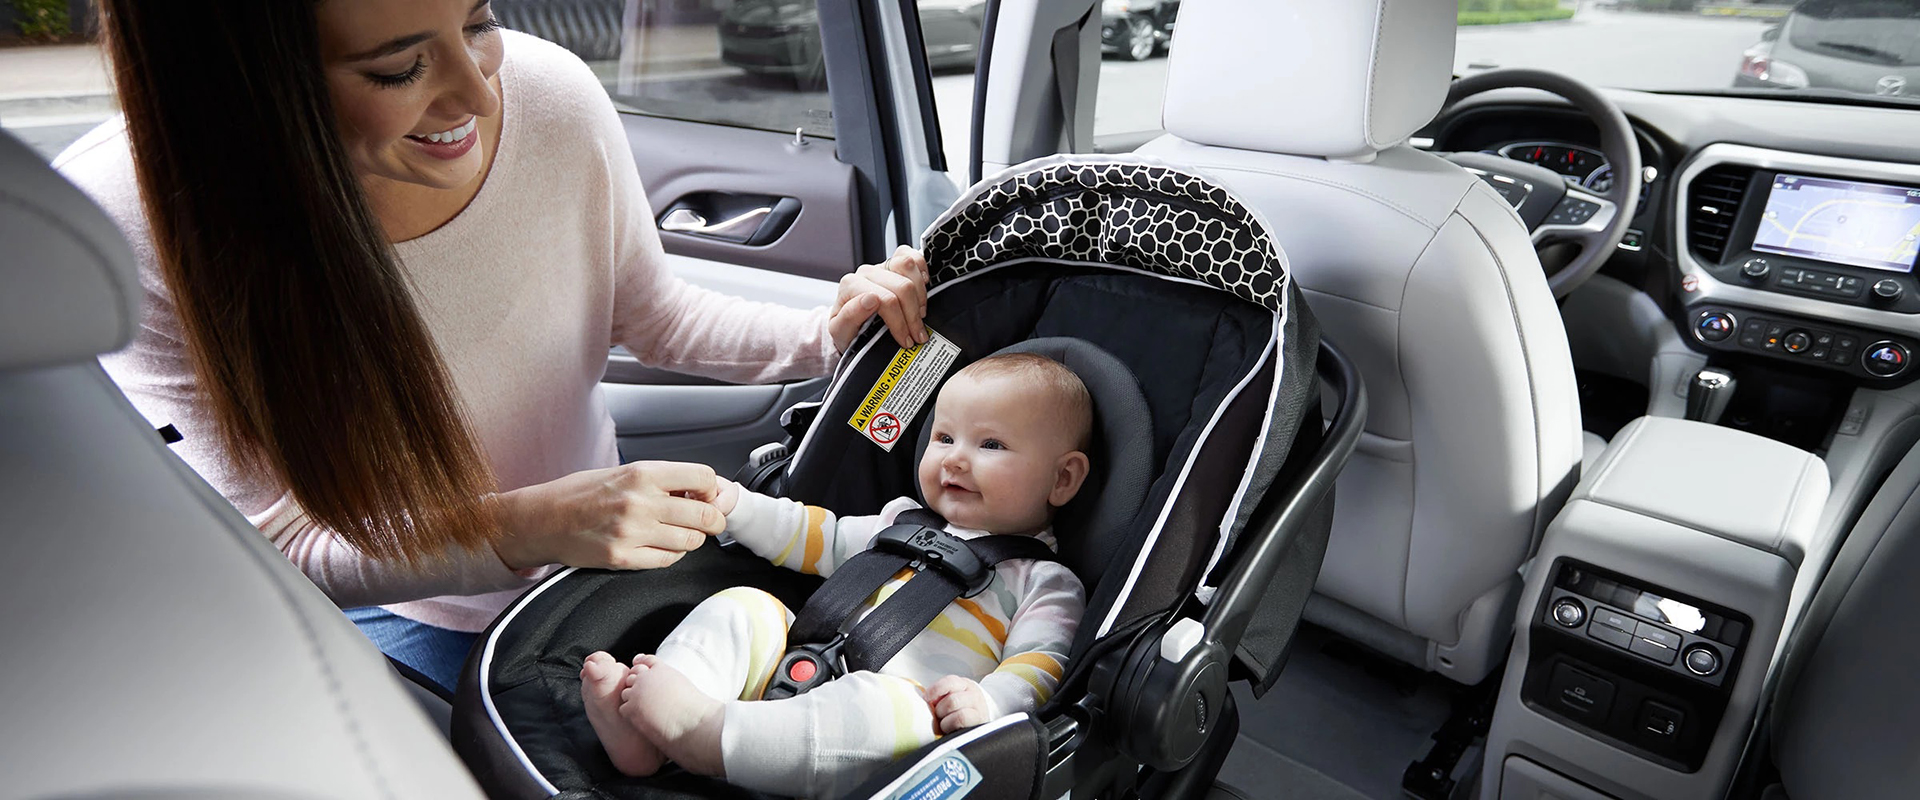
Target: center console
column 1650, row 616
column 1791, row 258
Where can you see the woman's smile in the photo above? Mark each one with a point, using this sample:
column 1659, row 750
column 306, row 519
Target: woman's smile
column 448, row 144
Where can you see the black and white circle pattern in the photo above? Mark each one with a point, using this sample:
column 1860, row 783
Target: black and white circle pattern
column 1136, row 214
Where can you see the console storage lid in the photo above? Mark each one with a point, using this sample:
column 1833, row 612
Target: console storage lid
column 1746, row 488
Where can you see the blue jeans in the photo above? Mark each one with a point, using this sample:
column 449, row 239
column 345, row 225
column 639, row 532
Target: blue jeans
column 437, row 653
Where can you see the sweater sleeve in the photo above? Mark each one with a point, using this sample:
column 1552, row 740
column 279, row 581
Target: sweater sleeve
column 671, row 324
column 352, row 579
column 1038, row 638
column 803, row 538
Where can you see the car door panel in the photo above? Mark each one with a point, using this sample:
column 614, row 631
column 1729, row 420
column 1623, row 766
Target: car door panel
column 714, row 425
column 682, row 163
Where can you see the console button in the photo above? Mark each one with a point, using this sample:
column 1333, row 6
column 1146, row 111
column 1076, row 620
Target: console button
column 1818, row 354
column 1659, row 722
column 1702, row 661
column 1755, row 269
column 1888, row 289
column 1658, row 635
column 1823, row 339
column 1568, row 612
column 1885, row 359
column 1579, row 693
column 1841, row 358
column 1653, row 651
column 1613, row 619
column 1797, row 342
column 1611, row 635
column 1713, row 326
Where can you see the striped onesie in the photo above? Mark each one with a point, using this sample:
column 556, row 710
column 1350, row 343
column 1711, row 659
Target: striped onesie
column 1012, row 638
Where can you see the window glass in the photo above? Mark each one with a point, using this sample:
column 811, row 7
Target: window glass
column 746, row 63
column 1134, row 35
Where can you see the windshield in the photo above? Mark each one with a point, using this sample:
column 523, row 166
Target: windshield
column 1818, row 48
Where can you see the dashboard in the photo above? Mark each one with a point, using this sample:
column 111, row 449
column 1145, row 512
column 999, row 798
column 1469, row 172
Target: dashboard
column 1783, row 233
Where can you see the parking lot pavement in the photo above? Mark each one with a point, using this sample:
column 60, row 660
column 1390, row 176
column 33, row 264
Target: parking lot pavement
column 1615, row 48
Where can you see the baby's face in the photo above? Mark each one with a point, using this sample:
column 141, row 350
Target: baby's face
column 996, row 458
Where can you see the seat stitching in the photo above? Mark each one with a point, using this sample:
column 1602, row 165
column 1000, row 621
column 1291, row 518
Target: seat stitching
column 1373, row 72
column 1407, row 212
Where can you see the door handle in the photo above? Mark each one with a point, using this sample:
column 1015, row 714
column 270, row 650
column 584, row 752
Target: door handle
column 687, row 220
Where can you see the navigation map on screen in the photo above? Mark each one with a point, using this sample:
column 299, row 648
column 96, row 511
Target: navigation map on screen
column 1864, row 224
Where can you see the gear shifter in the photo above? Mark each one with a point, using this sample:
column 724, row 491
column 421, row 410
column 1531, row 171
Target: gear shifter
column 1708, row 394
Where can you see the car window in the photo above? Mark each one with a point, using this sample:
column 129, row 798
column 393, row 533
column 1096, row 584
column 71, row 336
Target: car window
column 1134, row 36
column 1884, row 32
column 744, row 63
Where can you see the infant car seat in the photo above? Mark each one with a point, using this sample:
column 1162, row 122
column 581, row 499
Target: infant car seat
column 1198, row 535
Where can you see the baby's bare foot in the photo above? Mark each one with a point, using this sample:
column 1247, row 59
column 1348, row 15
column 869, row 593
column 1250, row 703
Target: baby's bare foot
column 602, row 679
column 680, row 720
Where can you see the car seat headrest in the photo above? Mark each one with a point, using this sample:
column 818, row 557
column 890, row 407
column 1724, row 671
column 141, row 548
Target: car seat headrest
column 72, row 289
column 1122, row 459
column 1308, row 77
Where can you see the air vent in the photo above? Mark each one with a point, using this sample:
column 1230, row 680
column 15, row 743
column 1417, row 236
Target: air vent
column 1713, row 202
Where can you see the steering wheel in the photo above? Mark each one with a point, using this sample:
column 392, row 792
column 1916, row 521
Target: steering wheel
column 1553, row 210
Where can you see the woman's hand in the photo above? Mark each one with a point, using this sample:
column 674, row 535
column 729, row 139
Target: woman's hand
column 896, row 290
column 635, row 516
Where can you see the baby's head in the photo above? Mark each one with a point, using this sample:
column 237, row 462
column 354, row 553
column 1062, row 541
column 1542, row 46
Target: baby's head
column 1008, row 444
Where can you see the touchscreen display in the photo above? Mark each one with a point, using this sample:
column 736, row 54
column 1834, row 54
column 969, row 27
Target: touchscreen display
column 1845, row 222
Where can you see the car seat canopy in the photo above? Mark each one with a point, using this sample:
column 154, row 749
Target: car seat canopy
column 1121, row 210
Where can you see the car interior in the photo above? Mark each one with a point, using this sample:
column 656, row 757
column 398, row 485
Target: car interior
column 1627, row 518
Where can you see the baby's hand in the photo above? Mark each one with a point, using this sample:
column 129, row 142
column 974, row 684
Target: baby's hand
column 726, row 495
column 958, row 703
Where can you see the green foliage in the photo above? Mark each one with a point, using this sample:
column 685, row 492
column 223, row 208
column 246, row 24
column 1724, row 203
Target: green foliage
column 1504, row 17
column 1502, row 6
column 42, row 19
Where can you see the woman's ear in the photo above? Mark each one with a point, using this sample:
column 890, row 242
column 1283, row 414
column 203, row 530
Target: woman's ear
column 1068, row 473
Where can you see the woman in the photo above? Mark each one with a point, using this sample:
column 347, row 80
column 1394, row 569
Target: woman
column 385, row 249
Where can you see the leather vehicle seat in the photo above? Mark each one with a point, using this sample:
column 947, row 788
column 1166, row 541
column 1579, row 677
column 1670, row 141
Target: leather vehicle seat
column 155, row 644
column 1425, row 277
column 1845, row 720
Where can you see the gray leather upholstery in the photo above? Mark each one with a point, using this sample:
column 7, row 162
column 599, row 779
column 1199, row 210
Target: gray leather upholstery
column 1419, row 272
column 155, row 641
column 87, row 307
column 1307, row 78
column 1846, row 719
column 1772, row 501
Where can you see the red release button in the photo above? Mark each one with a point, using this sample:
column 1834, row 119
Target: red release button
column 802, row 671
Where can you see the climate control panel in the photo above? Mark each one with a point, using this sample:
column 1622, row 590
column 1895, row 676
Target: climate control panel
column 1861, row 353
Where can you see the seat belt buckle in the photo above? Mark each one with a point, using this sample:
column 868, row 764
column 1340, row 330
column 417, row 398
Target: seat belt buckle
column 805, row 667
column 932, row 548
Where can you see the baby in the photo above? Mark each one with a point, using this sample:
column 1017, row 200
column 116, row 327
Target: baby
column 1007, row 447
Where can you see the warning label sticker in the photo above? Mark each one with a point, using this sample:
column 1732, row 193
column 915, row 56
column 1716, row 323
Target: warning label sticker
column 902, row 389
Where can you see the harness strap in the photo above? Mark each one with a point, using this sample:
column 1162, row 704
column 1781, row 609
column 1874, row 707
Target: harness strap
column 828, row 634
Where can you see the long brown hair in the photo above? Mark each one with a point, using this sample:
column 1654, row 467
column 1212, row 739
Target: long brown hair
column 302, row 331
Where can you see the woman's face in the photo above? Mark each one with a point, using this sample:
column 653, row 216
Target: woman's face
column 410, row 81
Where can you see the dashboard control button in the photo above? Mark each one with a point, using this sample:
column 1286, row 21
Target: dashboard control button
column 1818, row 354
column 1841, row 358
column 1885, row 359
column 1797, row 342
column 1653, row 651
column 1888, row 289
column 1613, row 619
column 1568, row 612
column 1610, row 635
column 1713, row 326
column 1755, row 269
column 1823, row 339
column 1702, row 661
column 1658, row 635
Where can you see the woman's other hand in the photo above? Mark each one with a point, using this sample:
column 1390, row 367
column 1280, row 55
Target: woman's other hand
column 896, row 290
column 643, row 515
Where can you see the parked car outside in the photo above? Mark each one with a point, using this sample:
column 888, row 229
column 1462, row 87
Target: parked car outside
column 1137, row 30
column 1869, row 47
column 781, row 38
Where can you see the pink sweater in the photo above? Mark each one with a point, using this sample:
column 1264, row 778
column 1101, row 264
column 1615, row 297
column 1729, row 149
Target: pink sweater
column 555, row 261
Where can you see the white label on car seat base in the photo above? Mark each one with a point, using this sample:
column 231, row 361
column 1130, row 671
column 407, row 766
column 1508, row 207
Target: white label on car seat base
column 950, row 778
column 902, row 389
